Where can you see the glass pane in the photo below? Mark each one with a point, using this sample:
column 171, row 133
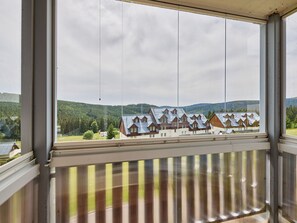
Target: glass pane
column 152, row 72
column 201, row 76
column 291, row 77
column 242, row 77
column 88, row 72
column 10, row 76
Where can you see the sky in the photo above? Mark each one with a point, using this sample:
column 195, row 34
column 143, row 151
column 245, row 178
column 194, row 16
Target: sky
column 148, row 55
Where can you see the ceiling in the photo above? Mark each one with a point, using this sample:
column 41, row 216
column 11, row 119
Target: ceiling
column 252, row 10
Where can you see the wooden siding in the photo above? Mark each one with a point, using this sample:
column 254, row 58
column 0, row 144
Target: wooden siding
column 215, row 121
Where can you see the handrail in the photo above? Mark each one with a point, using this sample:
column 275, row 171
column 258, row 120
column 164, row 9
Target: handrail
column 181, row 139
column 72, row 154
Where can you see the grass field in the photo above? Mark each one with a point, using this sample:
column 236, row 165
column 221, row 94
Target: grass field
column 80, row 138
column 291, row 132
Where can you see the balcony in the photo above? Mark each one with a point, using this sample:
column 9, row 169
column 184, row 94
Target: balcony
column 198, row 188
column 223, row 165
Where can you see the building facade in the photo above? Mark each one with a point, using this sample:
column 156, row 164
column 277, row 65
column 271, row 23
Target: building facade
column 235, row 122
column 163, row 122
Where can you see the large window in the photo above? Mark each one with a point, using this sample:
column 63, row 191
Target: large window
column 10, row 79
column 124, row 67
column 291, row 77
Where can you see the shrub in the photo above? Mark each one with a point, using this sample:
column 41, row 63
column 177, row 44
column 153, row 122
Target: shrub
column 94, row 126
column 88, row 135
column 110, row 132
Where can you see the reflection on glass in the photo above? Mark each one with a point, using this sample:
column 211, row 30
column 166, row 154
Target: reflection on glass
column 291, row 78
column 134, row 71
column 289, row 187
column 201, row 188
column 10, row 80
column 19, row 207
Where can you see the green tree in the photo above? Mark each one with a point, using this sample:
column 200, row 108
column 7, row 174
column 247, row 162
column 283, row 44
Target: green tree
column 88, row 135
column 288, row 123
column 94, row 126
column 110, row 132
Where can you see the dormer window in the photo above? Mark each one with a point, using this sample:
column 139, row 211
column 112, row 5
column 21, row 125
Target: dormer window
column 174, row 111
column 133, row 129
column 163, row 119
column 184, row 118
column 199, row 117
column 166, row 111
column 252, row 116
column 228, row 123
column 144, row 119
column 232, row 116
column 153, row 128
column 136, row 120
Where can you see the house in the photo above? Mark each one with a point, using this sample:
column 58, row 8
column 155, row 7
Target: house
column 163, row 122
column 8, row 151
column 235, row 122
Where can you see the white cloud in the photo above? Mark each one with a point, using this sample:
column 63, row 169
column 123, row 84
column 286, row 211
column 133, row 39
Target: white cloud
column 10, row 46
column 150, row 54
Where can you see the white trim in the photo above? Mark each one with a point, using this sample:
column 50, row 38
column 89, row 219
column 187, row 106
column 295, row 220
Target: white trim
column 16, row 175
column 27, row 57
column 160, row 141
column 288, row 148
column 11, row 164
column 121, row 153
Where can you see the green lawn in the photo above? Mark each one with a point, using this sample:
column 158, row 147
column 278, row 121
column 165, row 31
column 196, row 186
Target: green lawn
column 292, row 132
column 80, row 138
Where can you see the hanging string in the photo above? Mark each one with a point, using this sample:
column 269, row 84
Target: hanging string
column 122, row 61
column 225, row 78
column 177, row 68
column 100, row 52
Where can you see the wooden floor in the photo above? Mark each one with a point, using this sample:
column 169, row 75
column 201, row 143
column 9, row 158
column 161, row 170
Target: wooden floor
column 258, row 218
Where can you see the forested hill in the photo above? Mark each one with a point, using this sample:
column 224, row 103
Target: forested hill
column 74, row 115
column 77, row 109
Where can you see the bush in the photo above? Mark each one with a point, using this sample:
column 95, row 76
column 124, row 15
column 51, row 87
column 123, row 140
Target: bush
column 94, row 126
column 88, row 135
column 110, row 132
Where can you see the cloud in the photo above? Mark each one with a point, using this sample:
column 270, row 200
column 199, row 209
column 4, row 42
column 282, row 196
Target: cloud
column 147, row 73
column 10, row 46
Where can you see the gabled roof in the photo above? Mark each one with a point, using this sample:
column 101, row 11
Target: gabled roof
column 159, row 112
column 202, row 123
column 250, row 116
column 6, row 148
column 143, row 127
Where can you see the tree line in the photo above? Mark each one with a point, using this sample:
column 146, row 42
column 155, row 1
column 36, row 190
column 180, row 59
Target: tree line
column 291, row 118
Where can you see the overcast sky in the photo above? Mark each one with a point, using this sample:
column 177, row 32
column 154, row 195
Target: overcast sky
column 140, row 64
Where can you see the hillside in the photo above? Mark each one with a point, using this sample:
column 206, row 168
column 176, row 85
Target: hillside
column 7, row 97
column 217, row 107
column 76, row 118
